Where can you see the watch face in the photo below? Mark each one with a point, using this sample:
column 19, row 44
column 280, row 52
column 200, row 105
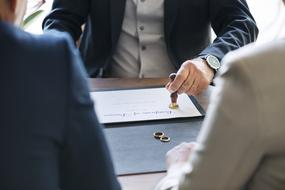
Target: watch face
column 213, row 62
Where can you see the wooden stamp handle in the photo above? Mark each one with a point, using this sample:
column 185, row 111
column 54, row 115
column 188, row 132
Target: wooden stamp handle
column 174, row 95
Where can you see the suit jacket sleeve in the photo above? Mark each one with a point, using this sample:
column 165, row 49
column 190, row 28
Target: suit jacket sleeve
column 229, row 144
column 233, row 24
column 86, row 160
column 68, row 16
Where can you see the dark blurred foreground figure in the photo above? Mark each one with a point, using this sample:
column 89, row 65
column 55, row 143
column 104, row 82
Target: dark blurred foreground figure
column 241, row 144
column 153, row 38
column 50, row 138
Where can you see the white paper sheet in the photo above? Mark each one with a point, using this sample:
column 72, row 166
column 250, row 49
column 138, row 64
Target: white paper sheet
column 140, row 105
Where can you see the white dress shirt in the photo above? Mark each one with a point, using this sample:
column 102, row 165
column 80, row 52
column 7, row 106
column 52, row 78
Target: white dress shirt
column 141, row 50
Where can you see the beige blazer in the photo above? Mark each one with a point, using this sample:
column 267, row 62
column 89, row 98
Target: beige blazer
column 242, row 141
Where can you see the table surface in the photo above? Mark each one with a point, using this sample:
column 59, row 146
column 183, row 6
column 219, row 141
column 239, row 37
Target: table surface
column 142, row 181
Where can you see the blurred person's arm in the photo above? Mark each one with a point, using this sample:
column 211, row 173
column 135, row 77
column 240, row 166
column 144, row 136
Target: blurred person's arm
column 229, row 146
column 234, row 26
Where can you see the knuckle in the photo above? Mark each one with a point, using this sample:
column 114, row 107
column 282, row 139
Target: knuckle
column 168, row 153
column 180, row 77
column 204, row 84
column 190, row 92
column 173, row 87
column 186, row 63
column 185, row 86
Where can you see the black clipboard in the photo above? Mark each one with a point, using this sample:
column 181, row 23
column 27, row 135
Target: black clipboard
column 134, row 149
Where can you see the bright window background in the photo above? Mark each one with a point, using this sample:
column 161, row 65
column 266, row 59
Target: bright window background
column 269, row 15
column 35, row 26
column 270, row 18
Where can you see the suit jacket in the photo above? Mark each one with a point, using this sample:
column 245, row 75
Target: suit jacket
column 242, row 144
column 49, row 136
column 186, row 26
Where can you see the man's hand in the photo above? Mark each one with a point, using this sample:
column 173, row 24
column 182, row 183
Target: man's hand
column 193, row 77
column 179, row 155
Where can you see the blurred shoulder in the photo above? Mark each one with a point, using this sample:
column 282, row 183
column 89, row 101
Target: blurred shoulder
column 50, row 43
column 255, row 59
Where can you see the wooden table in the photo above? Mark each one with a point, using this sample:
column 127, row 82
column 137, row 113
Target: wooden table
column 142, row 181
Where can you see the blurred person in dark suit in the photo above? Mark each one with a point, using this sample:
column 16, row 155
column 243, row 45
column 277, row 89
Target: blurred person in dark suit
column 49, row 134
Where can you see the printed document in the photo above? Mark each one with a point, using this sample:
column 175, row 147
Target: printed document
column 118, row 106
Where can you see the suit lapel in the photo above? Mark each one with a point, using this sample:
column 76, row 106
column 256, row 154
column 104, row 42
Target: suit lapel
column 117, row 8
column 170, row 13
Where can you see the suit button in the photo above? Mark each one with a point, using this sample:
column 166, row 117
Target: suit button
column 141, row 28
column 143, row 48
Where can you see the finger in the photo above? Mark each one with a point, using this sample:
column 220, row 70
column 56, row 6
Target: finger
column 167, row 86
column 198, row 88
column 185, row 147
column 187, row 84
column 172, row 151
column 199, row 85
column 193, row 144
column 181, row 76
column 190, row 90
column 190, row 79
column 202, row 87
column 184, row 144
column 193, row 89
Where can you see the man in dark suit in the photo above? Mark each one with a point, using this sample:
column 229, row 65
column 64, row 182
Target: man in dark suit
column 151, row 38
column 49, row 135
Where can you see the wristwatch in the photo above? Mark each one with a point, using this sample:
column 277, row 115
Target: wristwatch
column 212, row 61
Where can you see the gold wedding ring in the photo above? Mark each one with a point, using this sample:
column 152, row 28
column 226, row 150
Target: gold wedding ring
column 161, row 136
column 164, row 139
column 158, row 135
